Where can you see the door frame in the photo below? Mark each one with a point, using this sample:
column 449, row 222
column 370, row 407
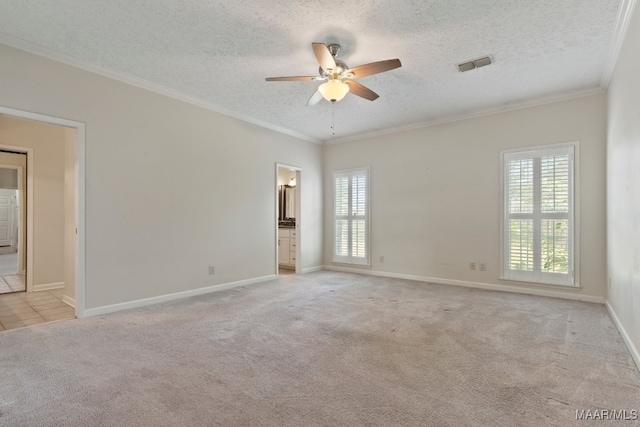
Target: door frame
column 22, row 220
column 79, row 187
column 298, row 228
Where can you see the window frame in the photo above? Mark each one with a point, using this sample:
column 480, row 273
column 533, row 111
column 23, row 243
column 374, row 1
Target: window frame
column 539, row 277
column 350, row 259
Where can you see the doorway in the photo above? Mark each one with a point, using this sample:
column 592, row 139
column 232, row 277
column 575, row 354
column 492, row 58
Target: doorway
column 12, row 222
column 288, row 219
column 10, row 278
column 46, row 285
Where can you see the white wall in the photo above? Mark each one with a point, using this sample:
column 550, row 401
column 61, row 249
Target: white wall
column 435, row 191
column 149, row 230
column 623, row 187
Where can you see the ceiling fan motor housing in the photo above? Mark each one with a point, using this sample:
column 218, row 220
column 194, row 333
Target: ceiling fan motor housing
column 341, row 67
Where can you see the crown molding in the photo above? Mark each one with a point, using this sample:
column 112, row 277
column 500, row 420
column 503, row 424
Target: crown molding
column 143, row 84
column 622, row 25
column 565, row 96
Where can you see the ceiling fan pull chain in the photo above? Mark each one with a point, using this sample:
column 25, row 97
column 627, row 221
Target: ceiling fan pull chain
column 333, row 118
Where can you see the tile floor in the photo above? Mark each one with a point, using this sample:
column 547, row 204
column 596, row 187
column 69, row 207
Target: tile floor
column 284, row 271
column 8, row 262
column 21, row 309
column 13, row 283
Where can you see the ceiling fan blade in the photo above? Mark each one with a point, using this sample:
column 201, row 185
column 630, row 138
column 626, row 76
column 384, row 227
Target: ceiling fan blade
column 374, row 68
column 362, row 91
column 315, row 98
column 290, row 79
column 324, row 57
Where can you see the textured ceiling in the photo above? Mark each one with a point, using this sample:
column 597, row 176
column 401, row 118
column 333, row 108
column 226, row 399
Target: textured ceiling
column 219, row 52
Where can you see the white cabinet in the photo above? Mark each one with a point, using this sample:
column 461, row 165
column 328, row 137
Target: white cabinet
column 283, row 250
column 287, row 246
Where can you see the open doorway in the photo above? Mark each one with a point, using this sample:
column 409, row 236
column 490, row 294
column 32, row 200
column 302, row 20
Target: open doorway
column 50, row 221
column 288, row 248
column 12, row 222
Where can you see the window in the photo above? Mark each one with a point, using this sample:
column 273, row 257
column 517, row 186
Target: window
column 538, row 215
column 351, row 216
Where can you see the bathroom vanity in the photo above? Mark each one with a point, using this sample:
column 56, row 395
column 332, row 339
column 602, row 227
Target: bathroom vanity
column 287, row 247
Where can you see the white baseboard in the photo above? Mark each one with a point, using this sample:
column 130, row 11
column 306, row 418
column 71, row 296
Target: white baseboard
column 635, row 352
column 48, row 286
column 468, row 284
column 69, row 301
column 311, row 269
column 170, row 297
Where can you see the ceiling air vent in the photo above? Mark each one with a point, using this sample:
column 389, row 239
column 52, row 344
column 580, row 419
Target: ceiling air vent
column 476, row 63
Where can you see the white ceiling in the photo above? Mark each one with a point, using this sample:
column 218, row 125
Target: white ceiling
column 218, row 53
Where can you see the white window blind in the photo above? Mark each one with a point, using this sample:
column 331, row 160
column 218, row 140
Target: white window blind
column 351, row 216
column 538, row 217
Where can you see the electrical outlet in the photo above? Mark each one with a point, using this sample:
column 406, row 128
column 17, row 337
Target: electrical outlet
column 483, row 266
column 381, row 259
column 212, row 269
column 472, row 266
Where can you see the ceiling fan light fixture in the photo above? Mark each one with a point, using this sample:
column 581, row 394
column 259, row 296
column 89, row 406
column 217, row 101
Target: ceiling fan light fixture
column 334, row 90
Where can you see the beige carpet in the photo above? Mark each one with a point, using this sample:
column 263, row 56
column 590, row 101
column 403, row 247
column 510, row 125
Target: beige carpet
column 323, row 349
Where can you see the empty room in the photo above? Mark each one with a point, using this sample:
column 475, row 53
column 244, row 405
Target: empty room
column 266, row 213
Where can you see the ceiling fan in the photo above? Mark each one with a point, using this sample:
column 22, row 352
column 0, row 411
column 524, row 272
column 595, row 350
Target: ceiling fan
column 339, row 77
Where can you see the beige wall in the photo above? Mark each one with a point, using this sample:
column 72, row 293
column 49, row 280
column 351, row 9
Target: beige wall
column 285, row 175
column 48, row 144
column 623, row 187
column 149, row 230
column 9, row 178
column 435, row 191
